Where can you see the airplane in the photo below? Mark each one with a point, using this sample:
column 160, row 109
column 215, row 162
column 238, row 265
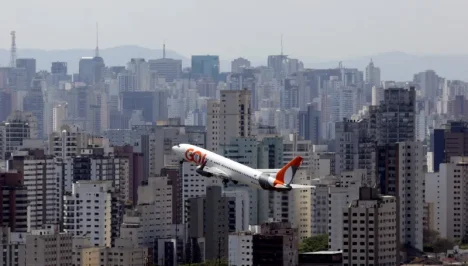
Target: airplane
column 210, row 164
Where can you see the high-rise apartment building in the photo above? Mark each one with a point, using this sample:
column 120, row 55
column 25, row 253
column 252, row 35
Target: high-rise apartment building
column 42, row 177
column 59, row 113
column 94, row 165
column 370, row 230
column 446, row 191
column 341, row 194
column 449, row 142
column 401, row 171
column 13, row 247
column 68, row 142
column 209, row 218
column 18, row 127
column 48, row 247
column 93, row 210
column 230, row 117
column 355, row 148
column 14, row 202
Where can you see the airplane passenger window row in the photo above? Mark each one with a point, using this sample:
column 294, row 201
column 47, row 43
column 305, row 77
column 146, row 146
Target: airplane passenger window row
column 231, row 169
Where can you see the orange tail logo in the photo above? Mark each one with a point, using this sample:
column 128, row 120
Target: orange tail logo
column 195, row 156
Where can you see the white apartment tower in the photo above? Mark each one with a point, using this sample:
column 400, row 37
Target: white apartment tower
column 370, row 230
column 152, row 215
column 68, row 142
column 88, row 211
column 447, row 191
column 228, row 117
column 340, row 196
column 59, row 113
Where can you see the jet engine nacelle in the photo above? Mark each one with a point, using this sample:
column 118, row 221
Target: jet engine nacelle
column 267, row 183
column 203, row 173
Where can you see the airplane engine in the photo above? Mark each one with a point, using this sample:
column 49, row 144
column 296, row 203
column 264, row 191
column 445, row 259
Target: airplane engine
column 200, row 171
column 267, row 182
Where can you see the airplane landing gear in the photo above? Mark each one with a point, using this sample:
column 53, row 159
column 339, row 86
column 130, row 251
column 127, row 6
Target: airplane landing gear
column 225, row 182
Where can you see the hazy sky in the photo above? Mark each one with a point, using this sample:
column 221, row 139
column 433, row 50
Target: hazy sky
column 325, row 29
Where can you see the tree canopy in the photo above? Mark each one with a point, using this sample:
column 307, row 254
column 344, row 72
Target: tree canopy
column 434, row 243
column 315, row 243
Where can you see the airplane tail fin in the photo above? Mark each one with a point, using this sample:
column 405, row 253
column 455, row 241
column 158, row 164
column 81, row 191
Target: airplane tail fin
column 285, row 176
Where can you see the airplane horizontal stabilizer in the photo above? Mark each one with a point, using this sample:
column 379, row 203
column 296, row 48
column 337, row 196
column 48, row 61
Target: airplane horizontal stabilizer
column 300, row 186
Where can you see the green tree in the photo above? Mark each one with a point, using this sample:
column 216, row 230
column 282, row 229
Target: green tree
column 315, row 243
column 434, row 243
column 441, row 245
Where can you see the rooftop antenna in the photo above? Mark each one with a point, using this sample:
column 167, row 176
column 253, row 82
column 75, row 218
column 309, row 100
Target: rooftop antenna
column 281, row 45
column 164, row 50
column 96, row 53
column 13, row 49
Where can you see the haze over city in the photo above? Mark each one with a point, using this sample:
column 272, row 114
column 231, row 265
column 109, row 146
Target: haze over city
column 241, row 133
column 326, row 30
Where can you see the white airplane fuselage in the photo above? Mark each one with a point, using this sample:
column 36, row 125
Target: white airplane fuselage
column 234, row 170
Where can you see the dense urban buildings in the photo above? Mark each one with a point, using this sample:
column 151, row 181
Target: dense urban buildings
column 88, row 175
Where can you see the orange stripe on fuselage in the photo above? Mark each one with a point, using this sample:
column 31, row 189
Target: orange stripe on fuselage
column 279, row 180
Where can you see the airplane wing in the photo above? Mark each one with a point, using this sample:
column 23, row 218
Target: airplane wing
column 300, row 186
column 269, row 171
column 216, row 172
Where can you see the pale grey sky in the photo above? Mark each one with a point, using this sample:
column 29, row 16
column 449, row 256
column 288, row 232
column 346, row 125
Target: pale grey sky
column 318, row 28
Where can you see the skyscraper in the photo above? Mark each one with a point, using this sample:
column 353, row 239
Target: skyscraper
column 30, row 65
column 33, row 102
column 59, row 68
column 372, row 74
column 205, row 66
column 310, row 124
column 429, row 83
column 91, row 70
column 278, row 64
column 397, row 112
column 238, row 64
column 168, row 68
